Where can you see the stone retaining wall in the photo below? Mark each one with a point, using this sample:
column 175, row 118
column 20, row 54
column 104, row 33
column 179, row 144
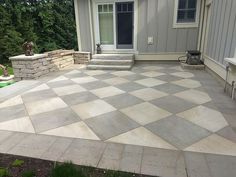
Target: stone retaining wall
column 82, row 57
column 33, row 67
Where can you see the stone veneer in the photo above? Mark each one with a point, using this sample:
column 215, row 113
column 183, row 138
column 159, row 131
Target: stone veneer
column 33, row 67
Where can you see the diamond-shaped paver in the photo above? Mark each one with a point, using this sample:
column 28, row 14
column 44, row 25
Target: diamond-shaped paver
column 75, row 130
column 20, row 125
column 142, row 137
column 183, row 74
column 45, row 105
column 169, row 88
column 54, row 119
column 92, row 109
column 173, row 104
column 152, row 74
column 111, row 124
column 107, row 91
column 116, row 81
column 123, row 100
column 39, row 95
column 188, row 83
column 148, row 94
column 145, row 113
column 177, row 131
column 130, row 86
column 122, row 73
column 60, row 78
column 194, row 96
column 77, row 98
column 95, row 72
column 152, row 67
column 12, row 112
column 67, row 90
column 214, row 144
column 82, row 80
column 12, row 102
column 150, row 82
column 207, row 118
column 94, row 85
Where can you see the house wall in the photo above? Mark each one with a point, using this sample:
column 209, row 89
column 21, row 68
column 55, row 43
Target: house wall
column 221, row 41
column 155, row 19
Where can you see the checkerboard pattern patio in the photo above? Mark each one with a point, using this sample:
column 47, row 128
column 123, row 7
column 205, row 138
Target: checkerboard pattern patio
column 160, row 106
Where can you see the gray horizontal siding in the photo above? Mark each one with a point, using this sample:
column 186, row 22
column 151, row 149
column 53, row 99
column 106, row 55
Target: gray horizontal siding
column 155, row 20
column 85, row 29
column 222, row 32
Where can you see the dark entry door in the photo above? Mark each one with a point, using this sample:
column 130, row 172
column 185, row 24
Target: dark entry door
column 125, row 21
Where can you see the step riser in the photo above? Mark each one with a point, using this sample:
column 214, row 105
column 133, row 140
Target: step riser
column 102, row 67
column 110, row 63
column 110, row 57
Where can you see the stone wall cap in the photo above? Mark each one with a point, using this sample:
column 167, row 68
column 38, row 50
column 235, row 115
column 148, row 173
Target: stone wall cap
column 34, row 57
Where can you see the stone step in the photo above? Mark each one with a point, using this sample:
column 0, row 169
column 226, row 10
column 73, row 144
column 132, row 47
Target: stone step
column 114, row 56
column 110, row 62
column 109, row 67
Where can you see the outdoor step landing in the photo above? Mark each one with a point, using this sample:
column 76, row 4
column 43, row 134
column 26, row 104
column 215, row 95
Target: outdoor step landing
column 111, row 62
column 114, row 56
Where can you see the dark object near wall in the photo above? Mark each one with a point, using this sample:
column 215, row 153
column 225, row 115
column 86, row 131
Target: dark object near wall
column 193, row 57
column 99, row 49
column 28, row 48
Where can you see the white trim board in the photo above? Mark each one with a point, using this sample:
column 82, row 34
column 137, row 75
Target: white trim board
column 159, row 56
column 218, row 69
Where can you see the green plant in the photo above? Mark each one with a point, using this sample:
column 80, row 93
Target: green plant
column 29, row 173
column 4, row 172
column 110, row 173
column 18, row 163
column 67, row 169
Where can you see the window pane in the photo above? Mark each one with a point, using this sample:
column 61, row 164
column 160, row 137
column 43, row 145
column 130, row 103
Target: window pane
column 182, row 4
column 99, row 8
column 119, row 7
column 106, row 28
column 125, row 8
column 192, row 4
column 191, row 15
column 105, row 8
column 110, row 8
column 130, row 7
column 181, row 16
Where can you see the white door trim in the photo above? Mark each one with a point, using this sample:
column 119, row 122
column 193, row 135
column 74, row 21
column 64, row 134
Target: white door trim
column 96, row 24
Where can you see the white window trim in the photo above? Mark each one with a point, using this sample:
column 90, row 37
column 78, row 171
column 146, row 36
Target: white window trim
column 186, row 25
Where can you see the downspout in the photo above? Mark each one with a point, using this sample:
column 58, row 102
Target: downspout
column 77, row 24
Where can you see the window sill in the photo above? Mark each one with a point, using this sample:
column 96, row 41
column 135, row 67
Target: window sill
column 185, row 25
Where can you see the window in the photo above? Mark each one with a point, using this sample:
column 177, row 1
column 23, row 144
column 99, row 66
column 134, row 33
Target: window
column 186, row 13
column 105, row 15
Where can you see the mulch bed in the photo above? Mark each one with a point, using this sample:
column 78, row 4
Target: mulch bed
column 43, row 168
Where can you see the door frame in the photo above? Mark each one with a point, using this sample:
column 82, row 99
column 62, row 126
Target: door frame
column 113, row 47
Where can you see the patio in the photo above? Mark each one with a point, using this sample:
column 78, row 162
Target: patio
column 153, row 119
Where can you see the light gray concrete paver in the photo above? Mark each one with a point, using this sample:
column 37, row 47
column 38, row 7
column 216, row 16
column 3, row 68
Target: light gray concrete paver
column 12, row 141
column 33, row 146
column 196, row 165
column 4, row 135
column 164, row 163
column 131, row 159
column 57, row 149
column 111, row 157
column 84, row 152
column 54, row 119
